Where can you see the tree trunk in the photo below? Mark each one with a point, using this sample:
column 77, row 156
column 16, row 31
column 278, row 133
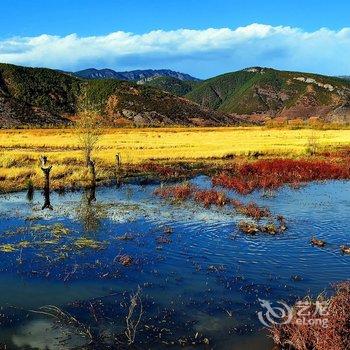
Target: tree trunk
column 87, row 157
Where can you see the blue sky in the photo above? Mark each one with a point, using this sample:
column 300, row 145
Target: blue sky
column 203, row 38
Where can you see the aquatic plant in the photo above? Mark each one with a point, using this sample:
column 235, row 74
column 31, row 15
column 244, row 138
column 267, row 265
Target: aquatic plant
column 317, row 242
column 65, row 318
column 177, row 192
column 185, row 191
column 252, row 228
column 125, row 237
column 8, row 248
column 168, row 230
column 59, row 230
column 251, row 209
column 12, row 247
column 125, row 260
column 163, row 240
column 314, row 335
column 345, row 249
column 134, row 316
column 210, row 197
column 82, row 243
column 248, row 227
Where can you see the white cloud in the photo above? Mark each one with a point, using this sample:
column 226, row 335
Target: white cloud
column 201, row 52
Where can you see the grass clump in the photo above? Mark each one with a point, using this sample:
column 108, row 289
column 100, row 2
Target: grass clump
column 87, row 243
column 60, row 230
column 8, row 248
column 11, row 247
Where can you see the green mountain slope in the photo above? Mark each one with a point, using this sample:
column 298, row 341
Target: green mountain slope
column 35, row 96
column 173, row 85
column 272, row 93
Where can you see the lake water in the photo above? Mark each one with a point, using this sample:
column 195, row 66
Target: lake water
column 200, row 278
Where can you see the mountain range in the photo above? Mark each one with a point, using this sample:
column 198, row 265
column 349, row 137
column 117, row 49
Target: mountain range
column 139, row 76
column 42, row 97
column 46, row 97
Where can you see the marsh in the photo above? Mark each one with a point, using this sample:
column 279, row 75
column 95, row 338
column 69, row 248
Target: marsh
column 200, row 277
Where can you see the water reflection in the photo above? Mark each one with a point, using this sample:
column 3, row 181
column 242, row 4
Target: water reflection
column 47, row 201
column 88, row 211
column 30, row 194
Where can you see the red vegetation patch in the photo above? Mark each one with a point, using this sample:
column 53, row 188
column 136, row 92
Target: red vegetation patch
column 274, row 173
column 251, row 209
column 177, row 192
column 313, row 335
column 343, row 152
column 210, row 197
column 186, row 191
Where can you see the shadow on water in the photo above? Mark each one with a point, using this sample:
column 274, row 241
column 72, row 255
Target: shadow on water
column 200, row 278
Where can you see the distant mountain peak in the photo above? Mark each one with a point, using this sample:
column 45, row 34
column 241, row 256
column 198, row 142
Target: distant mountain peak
column 140, row 75
column 255, row 69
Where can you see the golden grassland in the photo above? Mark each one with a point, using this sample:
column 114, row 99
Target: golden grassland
column 20, row 149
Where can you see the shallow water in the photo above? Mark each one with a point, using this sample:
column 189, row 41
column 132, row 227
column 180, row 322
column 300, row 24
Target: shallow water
column 196, row 271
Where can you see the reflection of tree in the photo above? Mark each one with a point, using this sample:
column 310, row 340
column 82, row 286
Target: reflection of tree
column 47, row 202
column 88, row 212
column 30, row 194
column 46, row 170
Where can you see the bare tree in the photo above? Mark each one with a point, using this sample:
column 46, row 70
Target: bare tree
column 88, row 126
column 89, row 131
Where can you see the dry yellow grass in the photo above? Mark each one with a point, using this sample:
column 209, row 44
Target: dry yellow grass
column 20, row 149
